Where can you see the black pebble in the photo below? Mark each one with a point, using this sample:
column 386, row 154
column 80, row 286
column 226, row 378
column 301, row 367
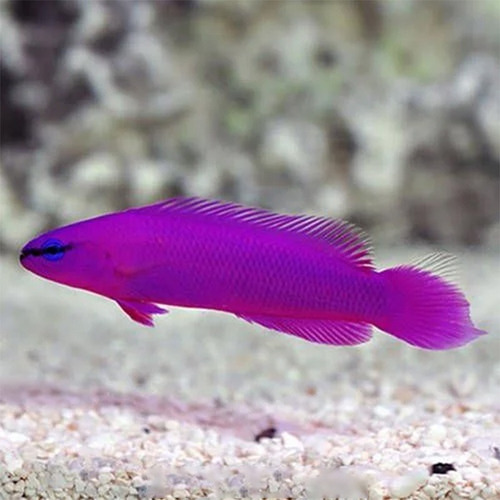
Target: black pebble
column 441, row 468
column 270, row 432
column 146, row 430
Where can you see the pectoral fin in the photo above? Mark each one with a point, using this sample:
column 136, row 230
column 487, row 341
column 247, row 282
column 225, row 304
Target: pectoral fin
column 141, row 312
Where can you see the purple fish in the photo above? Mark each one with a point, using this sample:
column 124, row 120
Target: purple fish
column 307, row 276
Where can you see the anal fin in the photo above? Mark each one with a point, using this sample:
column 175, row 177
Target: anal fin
column 321, row 331
column 141, row 312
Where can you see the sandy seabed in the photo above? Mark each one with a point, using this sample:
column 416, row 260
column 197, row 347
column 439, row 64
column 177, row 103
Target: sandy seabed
column 207, row 406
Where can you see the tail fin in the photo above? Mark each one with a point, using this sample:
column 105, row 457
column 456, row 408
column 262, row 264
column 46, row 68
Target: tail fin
column 426, row 309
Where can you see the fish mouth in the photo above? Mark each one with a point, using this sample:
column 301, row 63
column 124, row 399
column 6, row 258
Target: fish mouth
column 26, row 252
column 28, row 260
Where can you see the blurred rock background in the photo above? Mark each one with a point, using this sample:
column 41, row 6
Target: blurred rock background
column 386, row 113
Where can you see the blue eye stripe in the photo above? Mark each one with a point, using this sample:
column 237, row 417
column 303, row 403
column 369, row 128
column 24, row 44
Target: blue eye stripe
column 53, row 250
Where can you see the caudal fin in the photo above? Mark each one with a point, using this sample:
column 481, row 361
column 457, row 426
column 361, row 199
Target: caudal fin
column 426, row 309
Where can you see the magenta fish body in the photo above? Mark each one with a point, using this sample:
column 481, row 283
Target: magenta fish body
column 308, row 276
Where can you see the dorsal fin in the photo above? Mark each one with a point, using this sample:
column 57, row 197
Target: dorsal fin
column 349, row 242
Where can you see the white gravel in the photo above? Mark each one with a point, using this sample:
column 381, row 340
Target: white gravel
column 95, row 406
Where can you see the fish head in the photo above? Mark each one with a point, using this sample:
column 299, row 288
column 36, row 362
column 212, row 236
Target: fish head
column 75, row 255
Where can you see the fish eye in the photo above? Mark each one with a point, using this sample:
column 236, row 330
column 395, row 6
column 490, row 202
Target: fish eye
column 53, row 250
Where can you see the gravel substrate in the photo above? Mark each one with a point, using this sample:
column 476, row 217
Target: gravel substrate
column 206, row 406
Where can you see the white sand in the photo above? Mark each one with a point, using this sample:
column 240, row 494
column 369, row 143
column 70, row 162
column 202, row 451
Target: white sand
column 94, row 406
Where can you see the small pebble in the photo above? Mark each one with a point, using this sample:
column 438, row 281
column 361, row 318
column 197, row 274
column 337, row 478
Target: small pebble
column 291, row 442
column 436, row 432
column 404, row 486
column 268, row 433
column 442, row 468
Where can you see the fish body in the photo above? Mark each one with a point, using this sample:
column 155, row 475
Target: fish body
column 308, row 276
